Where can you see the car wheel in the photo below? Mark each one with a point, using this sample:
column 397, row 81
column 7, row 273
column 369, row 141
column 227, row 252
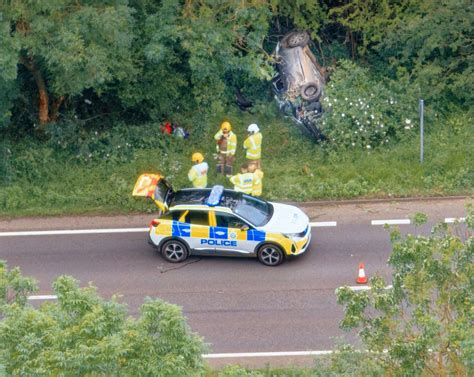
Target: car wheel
column 174, row 251
column 270, row 255
column 310, row 91
column 295, row 39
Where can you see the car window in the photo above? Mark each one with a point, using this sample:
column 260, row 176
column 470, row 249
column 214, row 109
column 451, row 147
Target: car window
column 173, row 215
column 229, row 221
column 256, row 211
column 197, row 218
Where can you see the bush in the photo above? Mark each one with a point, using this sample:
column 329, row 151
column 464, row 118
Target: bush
column 117, row 143
column 83, row 334
column 362, row 112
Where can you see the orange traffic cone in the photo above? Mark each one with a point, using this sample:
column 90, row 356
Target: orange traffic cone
column 361, row 279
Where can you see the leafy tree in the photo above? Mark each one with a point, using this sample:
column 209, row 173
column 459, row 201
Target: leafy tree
column 82, row 334
column 429, row 42
column 423, row 325
column 69, row 46
column 8, row 71
column 222, row 39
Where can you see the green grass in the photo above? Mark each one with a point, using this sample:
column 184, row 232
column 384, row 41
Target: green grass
column 46, row 182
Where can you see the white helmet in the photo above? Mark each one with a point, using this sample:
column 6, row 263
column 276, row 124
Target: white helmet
column 253, row 128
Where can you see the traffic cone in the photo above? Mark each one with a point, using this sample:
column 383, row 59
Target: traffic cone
column 361, row 279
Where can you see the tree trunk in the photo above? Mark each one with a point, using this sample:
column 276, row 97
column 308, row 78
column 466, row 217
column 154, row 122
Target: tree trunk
column 353, row 45
column 54, row 114
column 43, row 97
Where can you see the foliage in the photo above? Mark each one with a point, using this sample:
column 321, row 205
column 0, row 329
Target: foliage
column 82, row 334
column 427, row 42
column 69, row 47
column 8, row 48
column 423, row 324
column 238, row 371
column 14, row 287
column 363, row 112
column 145, row 60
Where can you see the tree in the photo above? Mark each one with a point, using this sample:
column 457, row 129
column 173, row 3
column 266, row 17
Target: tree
column 429, row 42
column 8, row 71
column 423, row 324
column 68, row 46
column 82, row 334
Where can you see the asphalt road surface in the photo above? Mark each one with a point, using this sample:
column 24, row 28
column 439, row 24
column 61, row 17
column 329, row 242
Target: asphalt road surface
column 237, row 305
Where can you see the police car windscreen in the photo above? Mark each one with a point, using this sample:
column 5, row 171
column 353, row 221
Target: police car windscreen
column 256, row 211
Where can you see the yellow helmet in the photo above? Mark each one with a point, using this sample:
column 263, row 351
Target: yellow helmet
column 197, row 157
column 226, row 126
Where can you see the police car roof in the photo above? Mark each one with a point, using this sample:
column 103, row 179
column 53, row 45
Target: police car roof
column 199, row 197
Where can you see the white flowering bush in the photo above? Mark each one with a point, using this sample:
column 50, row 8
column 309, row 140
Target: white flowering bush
column 363, row 113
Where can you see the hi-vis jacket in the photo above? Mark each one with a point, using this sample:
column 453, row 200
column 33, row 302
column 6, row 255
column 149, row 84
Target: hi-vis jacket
column 231, row 143
column 244, row 182
column 198, row 175
column 253, row 145
column 257, row 187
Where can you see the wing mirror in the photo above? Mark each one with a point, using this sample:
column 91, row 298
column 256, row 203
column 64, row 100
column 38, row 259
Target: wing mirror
column 244, row 228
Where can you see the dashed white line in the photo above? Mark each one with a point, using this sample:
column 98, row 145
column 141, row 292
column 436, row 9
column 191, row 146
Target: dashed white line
column 323, row 223
column 391, row 222
column 454, row 219
column 265, row 354
column 71, row 231
column 43, row 297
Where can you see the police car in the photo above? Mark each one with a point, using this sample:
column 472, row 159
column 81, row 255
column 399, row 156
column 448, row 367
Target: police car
column 222, row 222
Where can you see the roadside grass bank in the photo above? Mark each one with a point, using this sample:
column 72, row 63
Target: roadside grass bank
column 96, row 174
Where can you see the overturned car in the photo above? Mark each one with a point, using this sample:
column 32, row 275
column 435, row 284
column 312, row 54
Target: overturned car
column 299, row 83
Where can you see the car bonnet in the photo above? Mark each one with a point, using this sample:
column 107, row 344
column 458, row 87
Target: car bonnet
column 286, row 219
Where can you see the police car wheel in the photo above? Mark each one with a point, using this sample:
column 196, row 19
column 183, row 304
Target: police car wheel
column 270, row 255
column 174, row 251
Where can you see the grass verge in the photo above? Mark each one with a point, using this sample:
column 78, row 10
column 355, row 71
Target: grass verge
column 44, row 181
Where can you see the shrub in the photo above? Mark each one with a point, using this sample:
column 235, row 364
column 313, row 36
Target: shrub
column 362, row 112
column 115, row 144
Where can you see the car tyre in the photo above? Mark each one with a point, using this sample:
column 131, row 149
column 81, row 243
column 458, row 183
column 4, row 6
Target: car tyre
column 310, row 91
column 295, row 39
column 270, row 255
column 174, row 251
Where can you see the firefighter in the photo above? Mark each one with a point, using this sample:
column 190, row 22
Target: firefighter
column 257, row 187
column 244, row 181
column 198, row 173
column 226, row 145
column 253, row 146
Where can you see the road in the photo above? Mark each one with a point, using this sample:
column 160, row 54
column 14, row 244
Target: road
column 237, row 305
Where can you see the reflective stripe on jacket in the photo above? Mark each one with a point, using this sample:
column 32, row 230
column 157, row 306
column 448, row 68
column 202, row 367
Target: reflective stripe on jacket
column 231, row 143
column 198, row 175
column 244, row 182
column 257, row 187
column 253, row 144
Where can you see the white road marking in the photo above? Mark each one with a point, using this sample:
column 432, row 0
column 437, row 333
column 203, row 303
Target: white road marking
column 364, row 287
column 323, row 223
column 454, row 219
column 315, row 224
column 265, row 354
column 43, row 297
column 71, row 231
column 391, row 222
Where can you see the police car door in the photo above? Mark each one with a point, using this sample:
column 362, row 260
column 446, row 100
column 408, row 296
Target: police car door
column 198, row 232
column 232, row 235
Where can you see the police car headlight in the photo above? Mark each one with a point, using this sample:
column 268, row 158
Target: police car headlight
column 291, row 235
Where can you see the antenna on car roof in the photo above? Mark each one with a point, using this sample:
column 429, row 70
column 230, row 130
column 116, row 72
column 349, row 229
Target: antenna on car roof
column 215, row 195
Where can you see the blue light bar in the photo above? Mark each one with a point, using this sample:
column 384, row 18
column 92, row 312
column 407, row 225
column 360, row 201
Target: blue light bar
column 215, row 195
